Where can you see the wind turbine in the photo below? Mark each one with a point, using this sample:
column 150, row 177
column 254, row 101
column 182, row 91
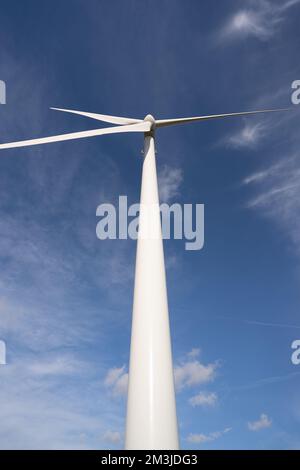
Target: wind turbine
column 151, row 410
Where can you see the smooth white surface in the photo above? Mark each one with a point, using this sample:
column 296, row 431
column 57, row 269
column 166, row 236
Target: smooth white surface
column 140, row 127
column 101, row 117
column 172, row 122
column 151, row 410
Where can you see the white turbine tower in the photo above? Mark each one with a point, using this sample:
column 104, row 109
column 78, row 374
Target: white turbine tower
column 151, row 410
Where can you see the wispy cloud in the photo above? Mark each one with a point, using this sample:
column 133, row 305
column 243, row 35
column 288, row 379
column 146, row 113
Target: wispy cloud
column 262, row 423
column 113, row 437
column 278, row 195
column 116, row 380
column 250, row 135
column 194, row 352
column 204, row 399
column 205, row 438
column 46, row 324
column 273, row 325
column 268, row 381
column 259, row 322
column 170, row 180
column 31, row 392
column 57, row 365
column 258, row 18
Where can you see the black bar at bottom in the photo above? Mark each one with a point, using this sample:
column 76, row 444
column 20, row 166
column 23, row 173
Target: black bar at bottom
column 133, row 459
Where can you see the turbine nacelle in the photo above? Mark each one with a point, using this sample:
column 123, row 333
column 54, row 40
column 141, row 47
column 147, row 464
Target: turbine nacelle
column 150, row 119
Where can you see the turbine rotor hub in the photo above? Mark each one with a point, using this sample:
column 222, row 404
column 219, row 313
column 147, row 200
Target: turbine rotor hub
column 150, row 118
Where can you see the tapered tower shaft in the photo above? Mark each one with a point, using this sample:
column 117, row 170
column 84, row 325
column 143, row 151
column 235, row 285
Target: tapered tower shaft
column 151, row 410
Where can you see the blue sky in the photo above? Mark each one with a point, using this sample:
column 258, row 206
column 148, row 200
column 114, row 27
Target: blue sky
column 66, row 297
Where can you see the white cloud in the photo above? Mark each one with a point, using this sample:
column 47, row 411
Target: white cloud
column 204, row 399
column 113, row 437
column 248, row 136
column 117, row 381
column 195, row 352
column 193, row 372
column 113, row 375
column 259, row 18
column 204, row 438
column 263, row 423
column 170, row 179
column 247, row 22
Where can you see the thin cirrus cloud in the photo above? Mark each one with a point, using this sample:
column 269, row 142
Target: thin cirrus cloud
column 277, row 195
column 255, row 131
column 275, row 185
column 205, row 438
column 260, row 19
column 60, row 365
column 27, row 396
column 262, row 423
column 250, row 135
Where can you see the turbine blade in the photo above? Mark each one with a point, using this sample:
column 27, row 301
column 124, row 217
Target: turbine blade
column 140, row 127
column 171, row 122
column 101, row 117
